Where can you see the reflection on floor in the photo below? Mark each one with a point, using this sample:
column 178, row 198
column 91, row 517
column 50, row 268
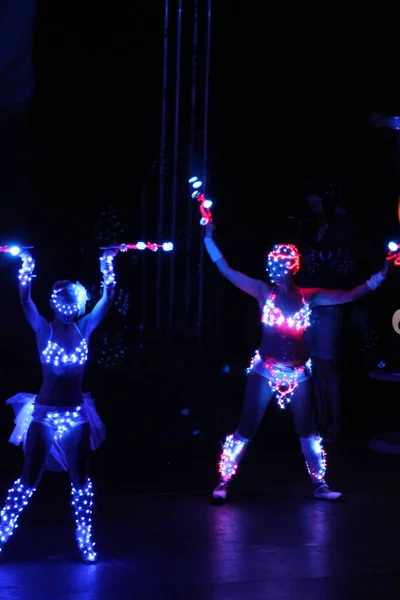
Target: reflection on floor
column 271, row 541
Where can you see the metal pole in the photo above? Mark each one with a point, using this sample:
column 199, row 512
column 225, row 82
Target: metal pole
column 175, row 163
column 205, row 148
column 143, row 282
column 161, row 186
column 189, row 259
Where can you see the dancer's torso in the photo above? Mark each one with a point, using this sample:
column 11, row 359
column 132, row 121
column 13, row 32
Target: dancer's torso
column 63, row 364
column 284, row 320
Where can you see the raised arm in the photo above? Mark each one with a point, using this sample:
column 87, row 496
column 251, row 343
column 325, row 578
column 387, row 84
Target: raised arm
column 255, row 287
column 89, row 322
column 35, row 320
column 320, row 297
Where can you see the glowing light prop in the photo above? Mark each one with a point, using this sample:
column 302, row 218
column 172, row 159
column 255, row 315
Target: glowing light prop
column 165, row 246
column 14, row 250
column 204, row 204
column 393, row 247
column 394, row 253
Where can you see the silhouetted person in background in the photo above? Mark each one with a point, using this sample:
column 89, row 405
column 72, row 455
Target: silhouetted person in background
column 328, row 243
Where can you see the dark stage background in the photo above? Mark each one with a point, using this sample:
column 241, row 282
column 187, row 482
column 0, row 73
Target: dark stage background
column 290, row 100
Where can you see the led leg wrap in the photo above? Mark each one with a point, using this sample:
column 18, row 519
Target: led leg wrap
column 27, row 268
column 315, row 457
column 107, row 270
column 232, row 451
column 82, row 501
column 17, row 498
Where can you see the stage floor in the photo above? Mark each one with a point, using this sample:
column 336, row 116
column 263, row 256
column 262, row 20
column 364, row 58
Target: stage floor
column 270, row 542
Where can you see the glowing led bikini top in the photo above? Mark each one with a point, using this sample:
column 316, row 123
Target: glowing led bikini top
column 53, row 354
column 273, row 316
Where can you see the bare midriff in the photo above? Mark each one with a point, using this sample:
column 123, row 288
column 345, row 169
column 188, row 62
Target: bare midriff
column 282, row 346
column 62, row 386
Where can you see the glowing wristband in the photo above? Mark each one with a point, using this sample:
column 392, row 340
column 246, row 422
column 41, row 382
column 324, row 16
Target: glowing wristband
column 27, row 268
column 212, row 249
column 375, row 281
column 107, row 270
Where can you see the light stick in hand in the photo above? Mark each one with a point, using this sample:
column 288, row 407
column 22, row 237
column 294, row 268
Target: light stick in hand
column 166, row 247
column 204, row 204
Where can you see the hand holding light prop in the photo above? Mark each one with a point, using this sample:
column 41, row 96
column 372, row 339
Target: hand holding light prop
column 28, row 264
column 166, row 247
column 204, row 204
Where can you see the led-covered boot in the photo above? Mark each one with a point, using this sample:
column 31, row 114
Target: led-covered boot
column 82, row 501
column 232, row 452
column 18, row 497
column 315, row 457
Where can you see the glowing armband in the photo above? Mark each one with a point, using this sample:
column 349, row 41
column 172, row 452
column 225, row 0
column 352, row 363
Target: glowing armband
column 375, row 281
column 27, row 268
column 107, row 270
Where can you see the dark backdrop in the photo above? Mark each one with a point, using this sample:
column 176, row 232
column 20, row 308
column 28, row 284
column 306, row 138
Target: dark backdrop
column 290, row 97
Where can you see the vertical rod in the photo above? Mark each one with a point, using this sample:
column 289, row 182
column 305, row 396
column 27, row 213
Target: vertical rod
column 174, row 203
column 189, row 241
column 204, row 174
column 143, row 290
column 161, row 184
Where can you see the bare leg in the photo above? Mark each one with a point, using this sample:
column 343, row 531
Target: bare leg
column 37, row 446
column 311, row 443
column 257, row 397
column 77, row 449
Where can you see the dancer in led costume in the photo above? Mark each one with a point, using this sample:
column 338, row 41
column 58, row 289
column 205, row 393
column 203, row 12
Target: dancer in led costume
column 60, row 426
column 282, row 366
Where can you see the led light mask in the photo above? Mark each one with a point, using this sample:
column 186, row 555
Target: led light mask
column 283, row 259
column 75, row 290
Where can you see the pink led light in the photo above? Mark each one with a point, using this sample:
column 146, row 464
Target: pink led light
column 205, row 209
column 273, row 317
column 285, row 253
column 394, row 255
column 204, row 204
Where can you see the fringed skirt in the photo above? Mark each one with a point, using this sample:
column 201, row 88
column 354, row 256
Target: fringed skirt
column 60, row 420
